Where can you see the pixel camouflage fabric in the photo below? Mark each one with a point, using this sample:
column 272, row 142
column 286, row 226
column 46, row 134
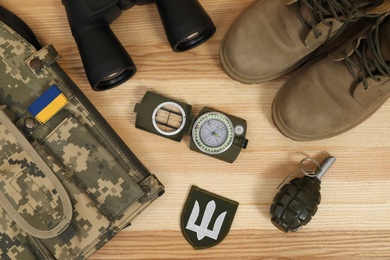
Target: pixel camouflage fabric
column 68, row 183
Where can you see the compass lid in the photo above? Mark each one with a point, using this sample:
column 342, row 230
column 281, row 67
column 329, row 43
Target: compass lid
column 163, row 116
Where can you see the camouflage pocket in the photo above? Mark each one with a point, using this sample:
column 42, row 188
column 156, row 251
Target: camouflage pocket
column 30, row 192
column 87, row 227
column 92, row 167
column 39, row 203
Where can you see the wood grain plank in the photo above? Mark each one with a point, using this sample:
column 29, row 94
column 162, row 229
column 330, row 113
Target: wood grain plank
column 352, row 220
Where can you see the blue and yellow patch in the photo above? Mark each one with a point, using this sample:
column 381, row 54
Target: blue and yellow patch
column 48, row 104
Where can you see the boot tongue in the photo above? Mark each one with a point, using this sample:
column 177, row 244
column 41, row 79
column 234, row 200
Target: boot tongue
column 384, row 42
column 307, row 12
column 384, row 50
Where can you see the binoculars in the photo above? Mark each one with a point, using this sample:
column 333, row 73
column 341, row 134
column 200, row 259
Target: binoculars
column 106, row 62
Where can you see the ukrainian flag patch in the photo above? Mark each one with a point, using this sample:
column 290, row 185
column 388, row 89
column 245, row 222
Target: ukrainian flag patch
column 48, row 104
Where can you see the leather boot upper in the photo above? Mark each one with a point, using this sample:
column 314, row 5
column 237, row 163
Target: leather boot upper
column 334, row 94
column 273, row 37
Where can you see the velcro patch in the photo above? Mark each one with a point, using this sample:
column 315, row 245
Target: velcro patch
column 48, row 104
column 206, row 218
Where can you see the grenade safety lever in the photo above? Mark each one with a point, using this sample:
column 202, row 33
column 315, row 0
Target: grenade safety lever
column 297, row 202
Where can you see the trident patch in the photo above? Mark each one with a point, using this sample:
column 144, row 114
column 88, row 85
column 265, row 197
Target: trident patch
column 206, row 218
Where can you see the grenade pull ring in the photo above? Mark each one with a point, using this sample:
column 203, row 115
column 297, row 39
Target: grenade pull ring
column 297, row 201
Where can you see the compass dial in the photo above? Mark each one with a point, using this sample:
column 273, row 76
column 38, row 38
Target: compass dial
column 213, row 133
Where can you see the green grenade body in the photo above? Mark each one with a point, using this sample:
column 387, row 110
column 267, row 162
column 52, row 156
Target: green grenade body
column 296, row 203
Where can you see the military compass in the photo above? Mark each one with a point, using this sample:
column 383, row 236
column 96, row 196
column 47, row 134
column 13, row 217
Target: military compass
column 214, row 133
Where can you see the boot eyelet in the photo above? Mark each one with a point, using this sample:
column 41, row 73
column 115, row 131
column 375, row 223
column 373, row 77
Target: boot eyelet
column 318, row 36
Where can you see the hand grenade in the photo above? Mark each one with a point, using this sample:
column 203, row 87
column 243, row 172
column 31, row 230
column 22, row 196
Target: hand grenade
column 296, row 202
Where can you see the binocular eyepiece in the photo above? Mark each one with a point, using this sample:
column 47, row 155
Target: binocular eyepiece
column 106, row 62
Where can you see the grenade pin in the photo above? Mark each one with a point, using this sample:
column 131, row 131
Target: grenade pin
column 297, row 201
column 325, row 167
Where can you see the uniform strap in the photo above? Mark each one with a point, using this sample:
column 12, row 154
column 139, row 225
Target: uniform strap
column 66, row 203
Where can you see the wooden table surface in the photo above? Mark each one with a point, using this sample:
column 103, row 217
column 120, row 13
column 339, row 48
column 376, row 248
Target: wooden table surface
column 353, row 217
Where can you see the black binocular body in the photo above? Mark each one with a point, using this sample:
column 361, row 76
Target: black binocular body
column 106, row 62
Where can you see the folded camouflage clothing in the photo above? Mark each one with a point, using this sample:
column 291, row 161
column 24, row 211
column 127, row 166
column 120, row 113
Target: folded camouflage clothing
column 68, row 183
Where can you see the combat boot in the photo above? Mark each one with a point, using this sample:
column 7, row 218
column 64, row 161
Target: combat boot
column 334, row 94
column 273, row 37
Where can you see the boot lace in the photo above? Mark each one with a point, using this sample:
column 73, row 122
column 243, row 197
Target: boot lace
column 367, row 67
column 345, row 11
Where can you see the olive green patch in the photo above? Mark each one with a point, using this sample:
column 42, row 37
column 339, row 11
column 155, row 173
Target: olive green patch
column 206, row 218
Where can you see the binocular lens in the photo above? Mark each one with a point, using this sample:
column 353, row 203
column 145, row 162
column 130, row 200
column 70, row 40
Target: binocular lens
column 194, row 40
column 192, row 36
column 186, row 23
column 112, row 76
column 114, row 79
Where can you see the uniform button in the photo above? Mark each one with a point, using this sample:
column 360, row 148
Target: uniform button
column 147, row 190
column 36, row 63
column 29, row 123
